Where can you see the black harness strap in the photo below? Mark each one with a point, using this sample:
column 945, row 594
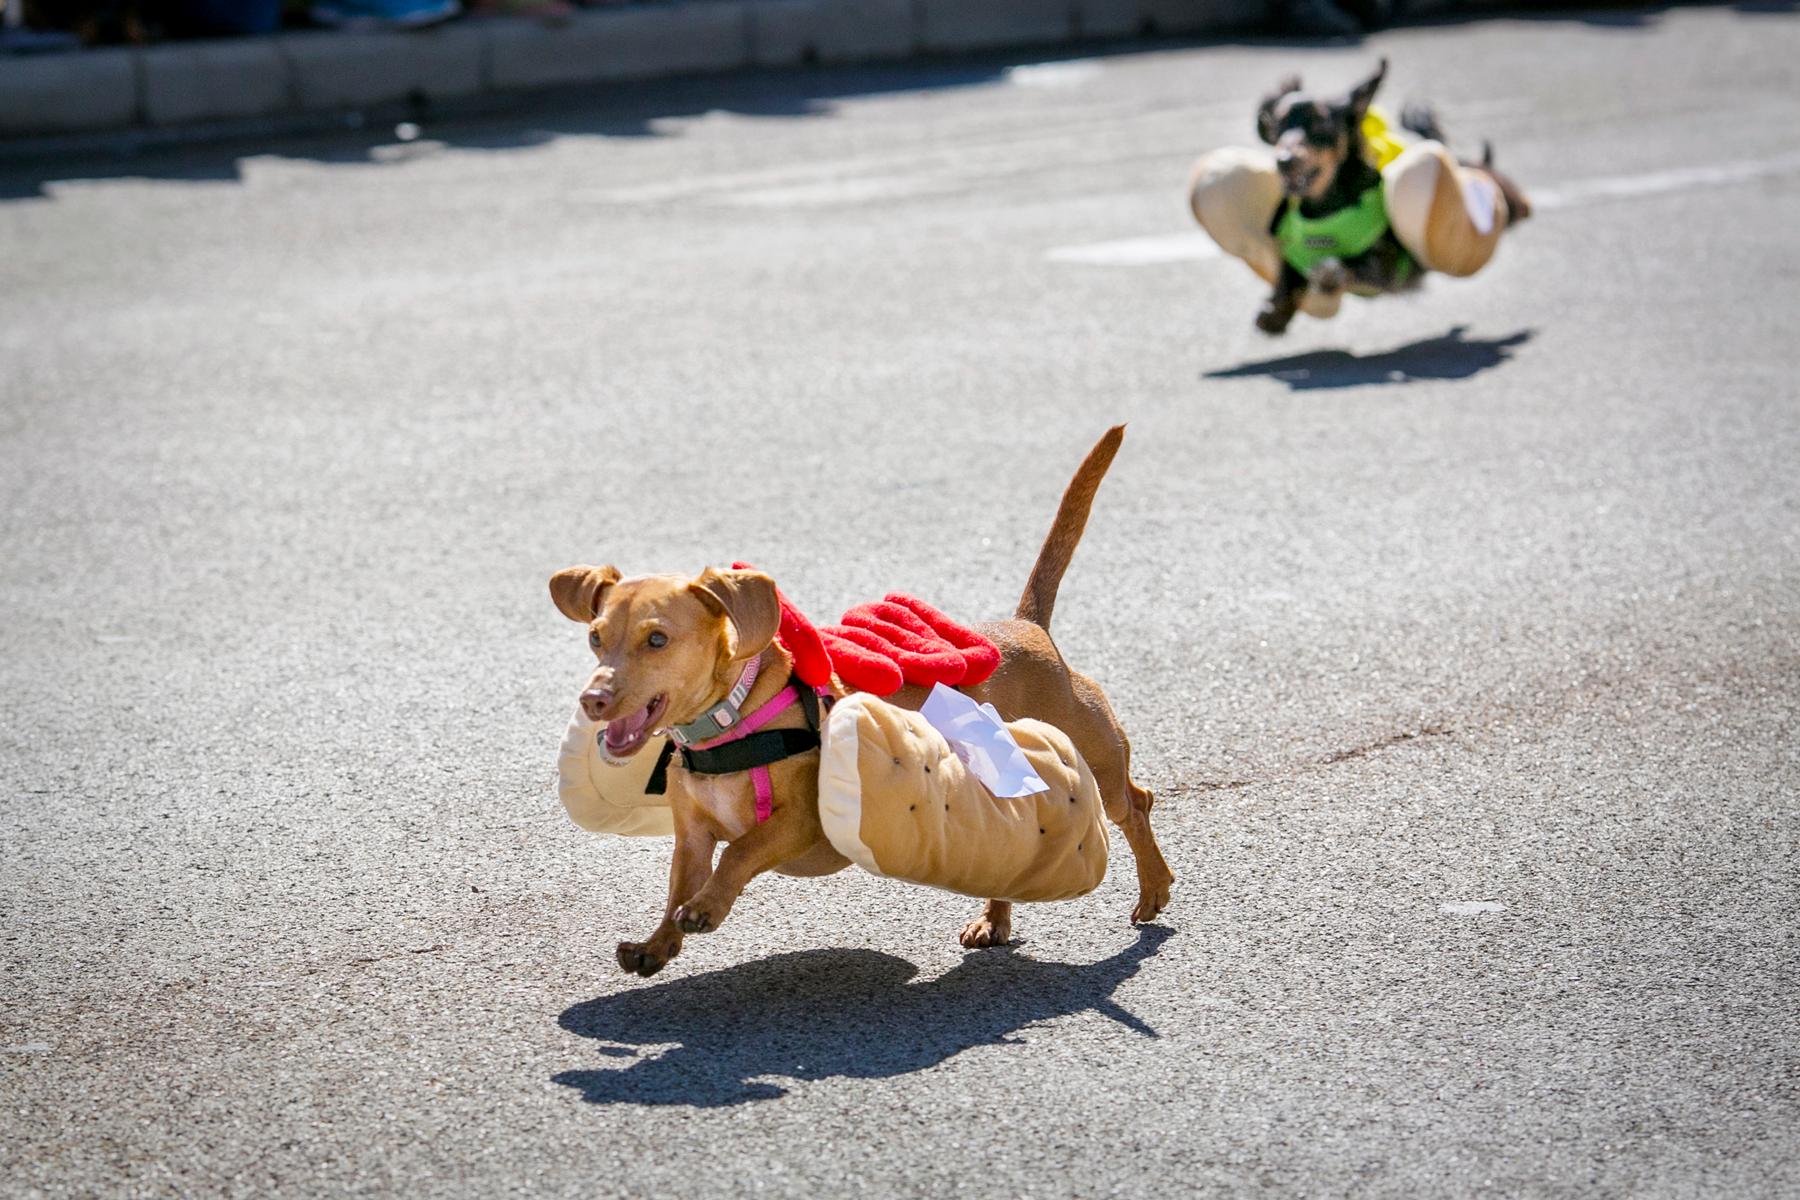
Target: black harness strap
column 658, row 783
column 756, row 750
column 810, row 701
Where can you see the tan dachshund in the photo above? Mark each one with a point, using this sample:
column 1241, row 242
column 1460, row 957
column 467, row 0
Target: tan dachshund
column 669, row 648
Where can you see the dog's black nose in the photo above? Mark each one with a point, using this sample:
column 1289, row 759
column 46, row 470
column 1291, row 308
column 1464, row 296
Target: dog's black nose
column 594, row 702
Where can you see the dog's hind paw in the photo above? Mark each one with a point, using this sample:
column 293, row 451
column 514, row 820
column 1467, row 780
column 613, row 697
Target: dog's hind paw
column 639, row 960
column 981, row 933
column 692, row 921
column 1149, row 904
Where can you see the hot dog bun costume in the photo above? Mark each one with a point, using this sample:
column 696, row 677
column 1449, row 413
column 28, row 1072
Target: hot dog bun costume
column 1448, row 216
column 894, row 796
column 606, row 797
column 897, row 801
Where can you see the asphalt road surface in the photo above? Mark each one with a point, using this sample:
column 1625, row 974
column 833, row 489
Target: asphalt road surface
column 1459, row 637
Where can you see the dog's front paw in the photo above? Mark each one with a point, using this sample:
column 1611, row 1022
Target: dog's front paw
column 693, row 920
column 1273, row 321
column 1329, row 278
column 981, row 933
column 639, row 959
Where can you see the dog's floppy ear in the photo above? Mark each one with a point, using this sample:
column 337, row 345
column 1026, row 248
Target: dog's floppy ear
column 1267, row 127
column 1362, row 93
column 748, row 600
column 577, row 590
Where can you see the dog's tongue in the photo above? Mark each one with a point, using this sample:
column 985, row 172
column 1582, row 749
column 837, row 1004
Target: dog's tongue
column 625, row 730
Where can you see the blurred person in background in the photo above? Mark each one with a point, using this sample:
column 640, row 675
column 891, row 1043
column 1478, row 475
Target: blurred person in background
column 39, row 25
column 1331, row 18
column 383, row 14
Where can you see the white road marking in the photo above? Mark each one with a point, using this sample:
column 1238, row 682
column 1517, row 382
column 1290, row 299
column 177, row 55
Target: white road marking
column 1195, row 246
column 1470, row 908
column 832, row 193
column 1054, row 74
column 1191, row 246
column 1657, row 183
column 923, row 168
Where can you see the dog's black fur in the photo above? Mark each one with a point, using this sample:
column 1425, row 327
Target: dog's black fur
column 1320, row 154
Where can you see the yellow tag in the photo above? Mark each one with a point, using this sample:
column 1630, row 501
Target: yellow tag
column 1384, row 146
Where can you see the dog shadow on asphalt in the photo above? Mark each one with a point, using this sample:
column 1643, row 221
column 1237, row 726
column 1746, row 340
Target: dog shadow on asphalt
column 1451, row 355
column 713, row 1040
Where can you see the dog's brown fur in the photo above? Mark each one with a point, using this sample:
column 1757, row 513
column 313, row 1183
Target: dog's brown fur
column 711, row 626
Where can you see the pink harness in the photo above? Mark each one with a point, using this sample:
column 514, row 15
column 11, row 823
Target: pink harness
column 783, row 700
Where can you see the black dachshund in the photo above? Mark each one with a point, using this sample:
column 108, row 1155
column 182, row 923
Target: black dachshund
column 1333, row 229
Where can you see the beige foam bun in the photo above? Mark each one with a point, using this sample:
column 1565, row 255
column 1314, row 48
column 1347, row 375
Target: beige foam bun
column 604, row 798
column 1449, row 216
column 895, row 799
column 1234, row 192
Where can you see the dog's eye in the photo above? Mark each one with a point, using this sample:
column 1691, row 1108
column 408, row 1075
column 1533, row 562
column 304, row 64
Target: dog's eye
column 593, row 640
column 658, row 640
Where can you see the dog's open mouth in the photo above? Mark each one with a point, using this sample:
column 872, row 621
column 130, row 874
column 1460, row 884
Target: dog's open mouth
column 627, row 735
column 1299, row 181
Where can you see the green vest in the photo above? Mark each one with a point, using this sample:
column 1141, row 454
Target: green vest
column 1308, row 241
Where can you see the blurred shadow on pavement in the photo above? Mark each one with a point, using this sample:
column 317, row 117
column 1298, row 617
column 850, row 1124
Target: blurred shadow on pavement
column 712, row 1040
column 1447, row 356
column 502, row 122
column 515, row 121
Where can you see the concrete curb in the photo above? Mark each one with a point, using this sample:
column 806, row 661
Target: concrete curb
column 189, row 84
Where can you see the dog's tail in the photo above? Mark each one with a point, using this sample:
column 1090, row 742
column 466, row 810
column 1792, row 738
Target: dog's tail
column 1039, row 598
column 1518, row 207
column 1422, row 119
